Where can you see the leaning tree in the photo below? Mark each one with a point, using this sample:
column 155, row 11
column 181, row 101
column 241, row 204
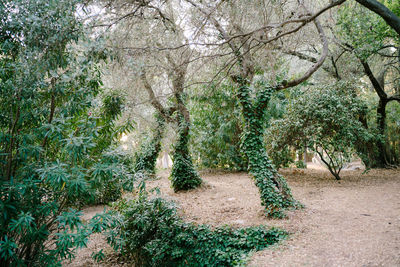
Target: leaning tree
column 247, row 35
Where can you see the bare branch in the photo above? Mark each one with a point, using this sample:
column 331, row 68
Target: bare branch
column 315, row 67
column 153, row 99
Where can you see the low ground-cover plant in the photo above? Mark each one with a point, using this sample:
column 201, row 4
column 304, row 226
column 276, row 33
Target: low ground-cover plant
column 151, row 233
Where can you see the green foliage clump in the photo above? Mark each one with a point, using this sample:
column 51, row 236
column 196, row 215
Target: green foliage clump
column 51, row 156
column 113, row 171
column 183, row 175
column 217, row 127
column 146, row 157
column 364, row 30
column 109, row 177
column 152, row 234
column 300, row 164
column 280, row 157
column 325, row 120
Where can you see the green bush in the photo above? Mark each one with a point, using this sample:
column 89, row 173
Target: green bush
column 216, row 129
column 54, row 151
column 110, row 176
column 280, row 157
column 151, row 233
column 300, row 164
column 326, row 121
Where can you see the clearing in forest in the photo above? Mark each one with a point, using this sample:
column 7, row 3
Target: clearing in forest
column 352, row 223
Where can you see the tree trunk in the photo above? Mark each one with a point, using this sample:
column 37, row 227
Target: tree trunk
column 367, row 150
column 381, row 158
column 183, row 175
column 146, row 158
column 381, row 122
column 274, row 192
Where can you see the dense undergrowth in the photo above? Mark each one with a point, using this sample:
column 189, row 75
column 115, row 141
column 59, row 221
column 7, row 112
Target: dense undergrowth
column 151, row 233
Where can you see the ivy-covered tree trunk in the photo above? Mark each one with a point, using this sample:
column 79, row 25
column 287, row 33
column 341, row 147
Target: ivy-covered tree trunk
column 274, row 191
column 183, row 176
column 146, row 158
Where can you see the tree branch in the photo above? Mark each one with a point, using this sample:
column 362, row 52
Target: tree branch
column 377, row 86
column 391, row 19
column 315, row 67
column 166, row 114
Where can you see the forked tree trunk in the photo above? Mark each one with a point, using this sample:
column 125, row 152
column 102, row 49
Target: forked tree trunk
column 274, row 191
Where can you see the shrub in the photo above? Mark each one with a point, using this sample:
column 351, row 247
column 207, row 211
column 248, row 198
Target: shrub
column 217, row 127
column 153, row 234
column 53, row 152
column 325, row 120
column 300, row 164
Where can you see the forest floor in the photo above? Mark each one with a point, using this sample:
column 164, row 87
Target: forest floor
column 354, row 222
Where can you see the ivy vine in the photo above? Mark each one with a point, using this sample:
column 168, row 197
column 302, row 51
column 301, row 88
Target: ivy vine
column 183, row 175
column 146, row 157
column 274, row 191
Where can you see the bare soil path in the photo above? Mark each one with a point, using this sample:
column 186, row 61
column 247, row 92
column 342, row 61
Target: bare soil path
column 352, row 223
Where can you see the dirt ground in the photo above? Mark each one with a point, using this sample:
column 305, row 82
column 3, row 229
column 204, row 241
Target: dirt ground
column 354, row 222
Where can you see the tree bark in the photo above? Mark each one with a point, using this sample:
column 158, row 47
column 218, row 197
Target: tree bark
column 382, row 160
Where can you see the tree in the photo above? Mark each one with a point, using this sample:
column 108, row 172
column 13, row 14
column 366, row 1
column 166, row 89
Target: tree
column 49, row 159
column 376, row 47
column 324, row 120
column 366, row 45
column 254, row 93
column 171, row 65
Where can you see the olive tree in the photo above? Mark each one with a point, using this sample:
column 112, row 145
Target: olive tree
column 151, row 45
column 256, row 71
